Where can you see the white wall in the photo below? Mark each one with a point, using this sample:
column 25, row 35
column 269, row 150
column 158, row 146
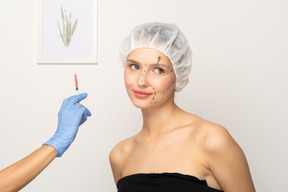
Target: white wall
column 239, row 79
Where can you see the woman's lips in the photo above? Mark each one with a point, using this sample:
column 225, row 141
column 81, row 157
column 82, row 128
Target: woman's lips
column 141, row 94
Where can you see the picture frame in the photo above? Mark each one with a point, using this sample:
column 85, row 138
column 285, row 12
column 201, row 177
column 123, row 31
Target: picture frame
column 67, row 32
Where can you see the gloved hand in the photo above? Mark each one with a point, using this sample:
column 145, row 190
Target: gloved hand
column 70, row 117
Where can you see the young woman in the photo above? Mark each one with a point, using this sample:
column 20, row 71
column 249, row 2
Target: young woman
column 175, row 150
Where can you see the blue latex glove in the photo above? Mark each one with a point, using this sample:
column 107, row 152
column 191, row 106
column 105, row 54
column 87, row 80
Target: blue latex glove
column 70, row 117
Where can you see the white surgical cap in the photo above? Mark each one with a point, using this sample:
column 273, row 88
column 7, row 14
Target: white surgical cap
column 166, row 38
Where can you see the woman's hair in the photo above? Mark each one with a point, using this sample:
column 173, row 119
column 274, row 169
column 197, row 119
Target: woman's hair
column 166, row 38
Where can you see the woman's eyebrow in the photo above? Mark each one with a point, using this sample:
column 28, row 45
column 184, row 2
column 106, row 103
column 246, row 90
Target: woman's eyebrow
column 160, row 64
column 152, row 65
column 133, row 61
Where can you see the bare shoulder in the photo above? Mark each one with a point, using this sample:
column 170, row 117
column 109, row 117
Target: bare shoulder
column 121, row 150
column 224, row 157
column 118, row 156
column 215, row 137
column 210, row 136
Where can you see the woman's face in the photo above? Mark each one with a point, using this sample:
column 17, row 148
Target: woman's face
column 149, row 78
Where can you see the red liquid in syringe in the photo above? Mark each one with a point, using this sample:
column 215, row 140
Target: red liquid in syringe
column 76, row 83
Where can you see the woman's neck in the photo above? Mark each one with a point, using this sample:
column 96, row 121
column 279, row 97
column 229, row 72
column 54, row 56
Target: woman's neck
column 159, row 119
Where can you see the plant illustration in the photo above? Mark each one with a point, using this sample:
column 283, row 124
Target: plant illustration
column 68, row 29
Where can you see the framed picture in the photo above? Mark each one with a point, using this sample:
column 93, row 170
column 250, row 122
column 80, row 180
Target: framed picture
column 67, row 32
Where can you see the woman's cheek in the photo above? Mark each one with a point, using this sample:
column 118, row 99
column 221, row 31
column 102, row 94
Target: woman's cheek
column 162, row 91
column 129, row 78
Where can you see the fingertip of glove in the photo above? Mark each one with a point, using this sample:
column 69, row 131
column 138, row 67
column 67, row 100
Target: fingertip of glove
column 83, row 95
column 80, row 97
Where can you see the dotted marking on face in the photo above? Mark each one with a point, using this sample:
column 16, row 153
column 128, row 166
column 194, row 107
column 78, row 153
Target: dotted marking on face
column 143, row 73
column 154, row 93
column 154, row 99
column 145, row 67
column 168, row 73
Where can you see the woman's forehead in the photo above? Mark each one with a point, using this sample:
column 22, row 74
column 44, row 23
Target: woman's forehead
column 148, row 56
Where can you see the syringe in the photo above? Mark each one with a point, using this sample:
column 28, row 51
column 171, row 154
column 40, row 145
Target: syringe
column 76, row 83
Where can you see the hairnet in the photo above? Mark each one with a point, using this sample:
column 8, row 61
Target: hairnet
column 166, row 38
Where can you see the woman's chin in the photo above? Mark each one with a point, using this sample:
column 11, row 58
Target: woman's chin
column 143, row 104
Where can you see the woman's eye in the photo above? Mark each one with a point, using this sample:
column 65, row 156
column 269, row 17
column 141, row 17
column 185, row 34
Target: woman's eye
column 159, row 70
column 133, row 66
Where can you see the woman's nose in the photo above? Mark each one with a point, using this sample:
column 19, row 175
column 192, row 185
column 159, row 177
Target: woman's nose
column 143, row 80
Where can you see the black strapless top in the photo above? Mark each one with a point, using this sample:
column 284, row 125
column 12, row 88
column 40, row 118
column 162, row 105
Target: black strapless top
column 163, row 182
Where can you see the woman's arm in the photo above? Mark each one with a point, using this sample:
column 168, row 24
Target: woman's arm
column 18, row 175
column 116, row 161
column 118, row 157
column 228, row 162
